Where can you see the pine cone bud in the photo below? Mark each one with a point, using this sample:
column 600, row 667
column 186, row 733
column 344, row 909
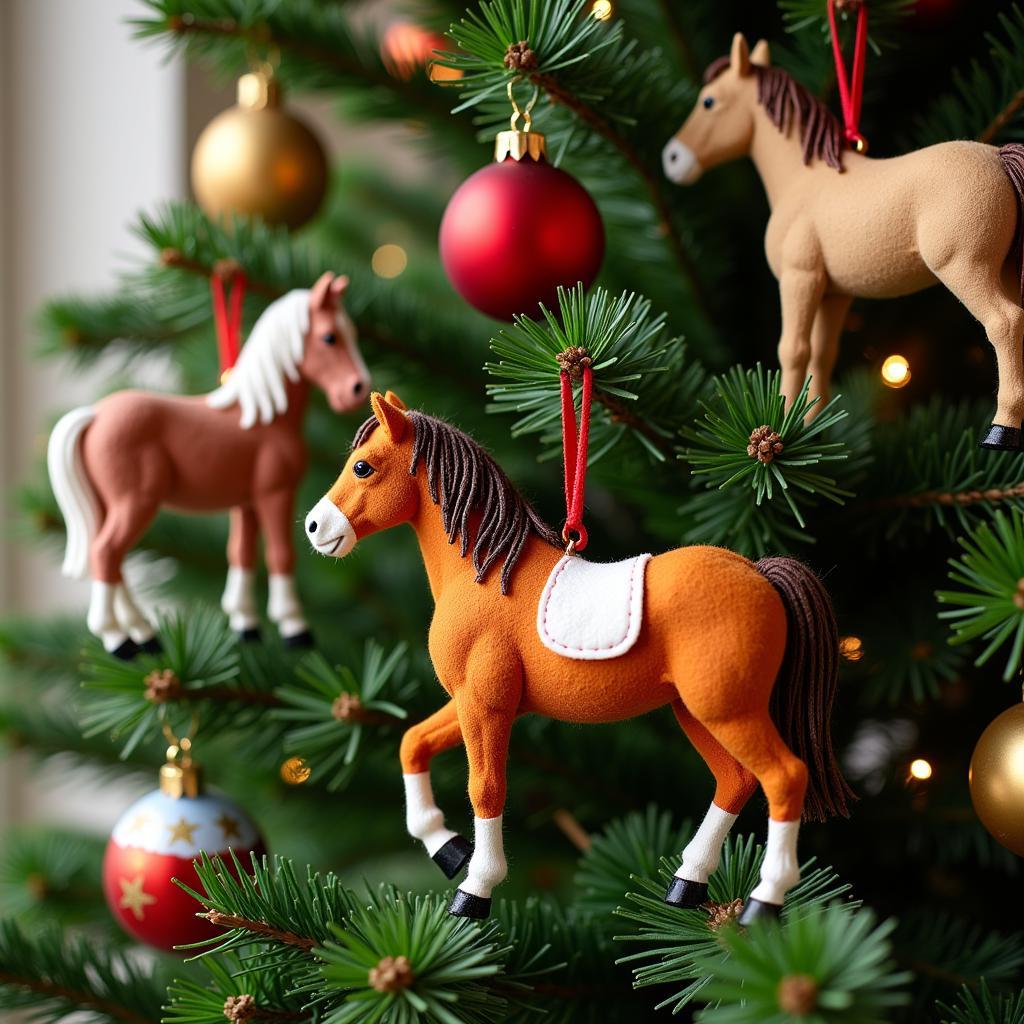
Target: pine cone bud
column 721, row 914
column 765, row 444
column 573, row 361
column 162, row 685
column 348, row 708
column 240, row 1008
column 797, row 995
column 519, row 57
column 392, row 974
column 1018, row 597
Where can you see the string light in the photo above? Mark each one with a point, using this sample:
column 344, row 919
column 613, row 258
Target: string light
column 295, row 771
column 920, row 769
column 601, row 10
column 895, row 371
column 389, row 260
column 851, row 648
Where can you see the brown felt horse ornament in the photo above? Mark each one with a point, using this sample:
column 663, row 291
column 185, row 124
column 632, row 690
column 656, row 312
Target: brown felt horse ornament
column 744, row 654
column 114, row 464
column 843, row 225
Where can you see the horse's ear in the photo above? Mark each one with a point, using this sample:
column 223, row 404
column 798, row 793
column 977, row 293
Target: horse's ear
column 739, row 56
column 760, row 54
column 320, row 293
column 392, row 419
column 339, row 285
column 392, row 399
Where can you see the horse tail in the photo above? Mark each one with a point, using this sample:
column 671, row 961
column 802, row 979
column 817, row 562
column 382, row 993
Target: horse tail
column 73, row 489
column 801, row 702
column 1011, row 157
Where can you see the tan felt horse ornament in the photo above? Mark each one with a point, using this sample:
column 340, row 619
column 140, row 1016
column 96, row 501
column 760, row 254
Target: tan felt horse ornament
column 844, row 225
column 114, row 464
column 739, row 652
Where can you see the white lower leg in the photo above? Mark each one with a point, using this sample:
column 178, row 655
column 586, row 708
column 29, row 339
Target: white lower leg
column 283, row 606
column 487, row 866
column 704, row 850
column 130, row 616
column 423, row 818
column 238, row 602
column 101, row 620
column 780, row 870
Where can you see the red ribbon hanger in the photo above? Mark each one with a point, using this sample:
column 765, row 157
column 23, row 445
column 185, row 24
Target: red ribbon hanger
column 227, row 289
column 851, row 89
column 574, row 448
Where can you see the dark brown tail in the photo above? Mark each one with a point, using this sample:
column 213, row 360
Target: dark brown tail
column 1012, row 158
column 801, row 704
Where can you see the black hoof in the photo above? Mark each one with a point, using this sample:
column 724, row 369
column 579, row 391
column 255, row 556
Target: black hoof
column 756, row 910
column 684, row 893
column 299, row 640
column 1001, row 439
column 251, row 635
column 126, row 650
column 151, row 646
column 452, row 857
column 465, row 904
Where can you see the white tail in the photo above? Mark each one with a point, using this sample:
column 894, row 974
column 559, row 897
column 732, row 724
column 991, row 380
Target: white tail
column 72, row 489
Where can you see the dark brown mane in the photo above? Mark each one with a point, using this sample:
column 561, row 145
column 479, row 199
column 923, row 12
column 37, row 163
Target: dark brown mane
column 785, row 100
column 463, row 478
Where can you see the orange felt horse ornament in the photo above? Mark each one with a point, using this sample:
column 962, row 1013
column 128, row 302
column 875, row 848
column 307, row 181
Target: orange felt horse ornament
column 739, row 651
column 845, row 225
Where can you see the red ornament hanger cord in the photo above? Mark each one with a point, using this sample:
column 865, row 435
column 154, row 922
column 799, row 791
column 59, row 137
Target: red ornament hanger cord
column 574, row 449
column 851, row 89
column 227, row 289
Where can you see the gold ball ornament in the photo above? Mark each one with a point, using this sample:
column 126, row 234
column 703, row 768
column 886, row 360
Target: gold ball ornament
column 258, row 160
column 997, row 779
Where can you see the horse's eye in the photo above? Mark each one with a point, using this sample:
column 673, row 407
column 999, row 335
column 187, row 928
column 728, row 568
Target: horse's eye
column 330, row 339
column 709, row 102
column 362, row 469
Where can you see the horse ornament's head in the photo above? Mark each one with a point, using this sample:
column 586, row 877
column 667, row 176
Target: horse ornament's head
column 721, row 125
column 375, row 490
column 330, row 357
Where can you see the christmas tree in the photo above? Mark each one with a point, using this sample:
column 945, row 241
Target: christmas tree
column 905, row 910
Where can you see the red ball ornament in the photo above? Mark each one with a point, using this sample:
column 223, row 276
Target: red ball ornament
column 155, row 841
column 517, row 229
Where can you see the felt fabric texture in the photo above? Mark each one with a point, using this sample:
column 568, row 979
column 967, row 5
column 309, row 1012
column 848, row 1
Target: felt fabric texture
column 487, row 867
column 114, row 465
column 704, row 850
column 592, row 611
column 876, row 229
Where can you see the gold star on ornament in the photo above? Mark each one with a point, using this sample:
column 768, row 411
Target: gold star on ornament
column 134, row 897
column 183, row 830
column 229, row 826
column 139, row 822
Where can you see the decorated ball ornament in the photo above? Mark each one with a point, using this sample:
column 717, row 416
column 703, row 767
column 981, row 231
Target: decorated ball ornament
column 518, row 229
column 997, row 779
column 258, row 160
column 157, row 840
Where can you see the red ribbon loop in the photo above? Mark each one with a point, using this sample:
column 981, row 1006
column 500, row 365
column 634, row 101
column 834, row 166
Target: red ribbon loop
column 227, row 315
column 851, row 89
column 574, row 449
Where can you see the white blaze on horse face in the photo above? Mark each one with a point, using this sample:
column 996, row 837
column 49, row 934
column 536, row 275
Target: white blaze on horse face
column 329, row 530
column 680, row 163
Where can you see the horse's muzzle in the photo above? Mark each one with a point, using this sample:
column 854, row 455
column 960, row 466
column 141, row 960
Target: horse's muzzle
column 680, row 163
column 329, row 530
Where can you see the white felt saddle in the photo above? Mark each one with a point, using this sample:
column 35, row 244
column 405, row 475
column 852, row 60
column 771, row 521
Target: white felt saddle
column 592, row 610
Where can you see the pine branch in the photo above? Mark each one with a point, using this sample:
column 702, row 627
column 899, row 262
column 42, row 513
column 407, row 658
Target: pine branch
column 982, row 1007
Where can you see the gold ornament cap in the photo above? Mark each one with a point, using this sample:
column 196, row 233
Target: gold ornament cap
column 518, row 144
column 181, row 776
column 258, row 90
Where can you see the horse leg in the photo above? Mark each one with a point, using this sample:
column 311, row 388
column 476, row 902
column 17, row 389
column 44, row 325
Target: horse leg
column 423, row 818
column 132, row 618
column 800, row 291
column 485, row 730
column 276, row 513
column 755, row 742
column 238, row 601
column 828, row 326
column 734, row 786
column 122, row 525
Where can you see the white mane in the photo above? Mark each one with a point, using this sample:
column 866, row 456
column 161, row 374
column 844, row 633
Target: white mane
column 272, row 352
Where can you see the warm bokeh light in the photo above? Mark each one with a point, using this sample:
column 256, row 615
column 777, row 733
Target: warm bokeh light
column 920, row 769
column 895, row 371
column 389, row 260
column 602, row 9
column 295, row 771
column 851, row 648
